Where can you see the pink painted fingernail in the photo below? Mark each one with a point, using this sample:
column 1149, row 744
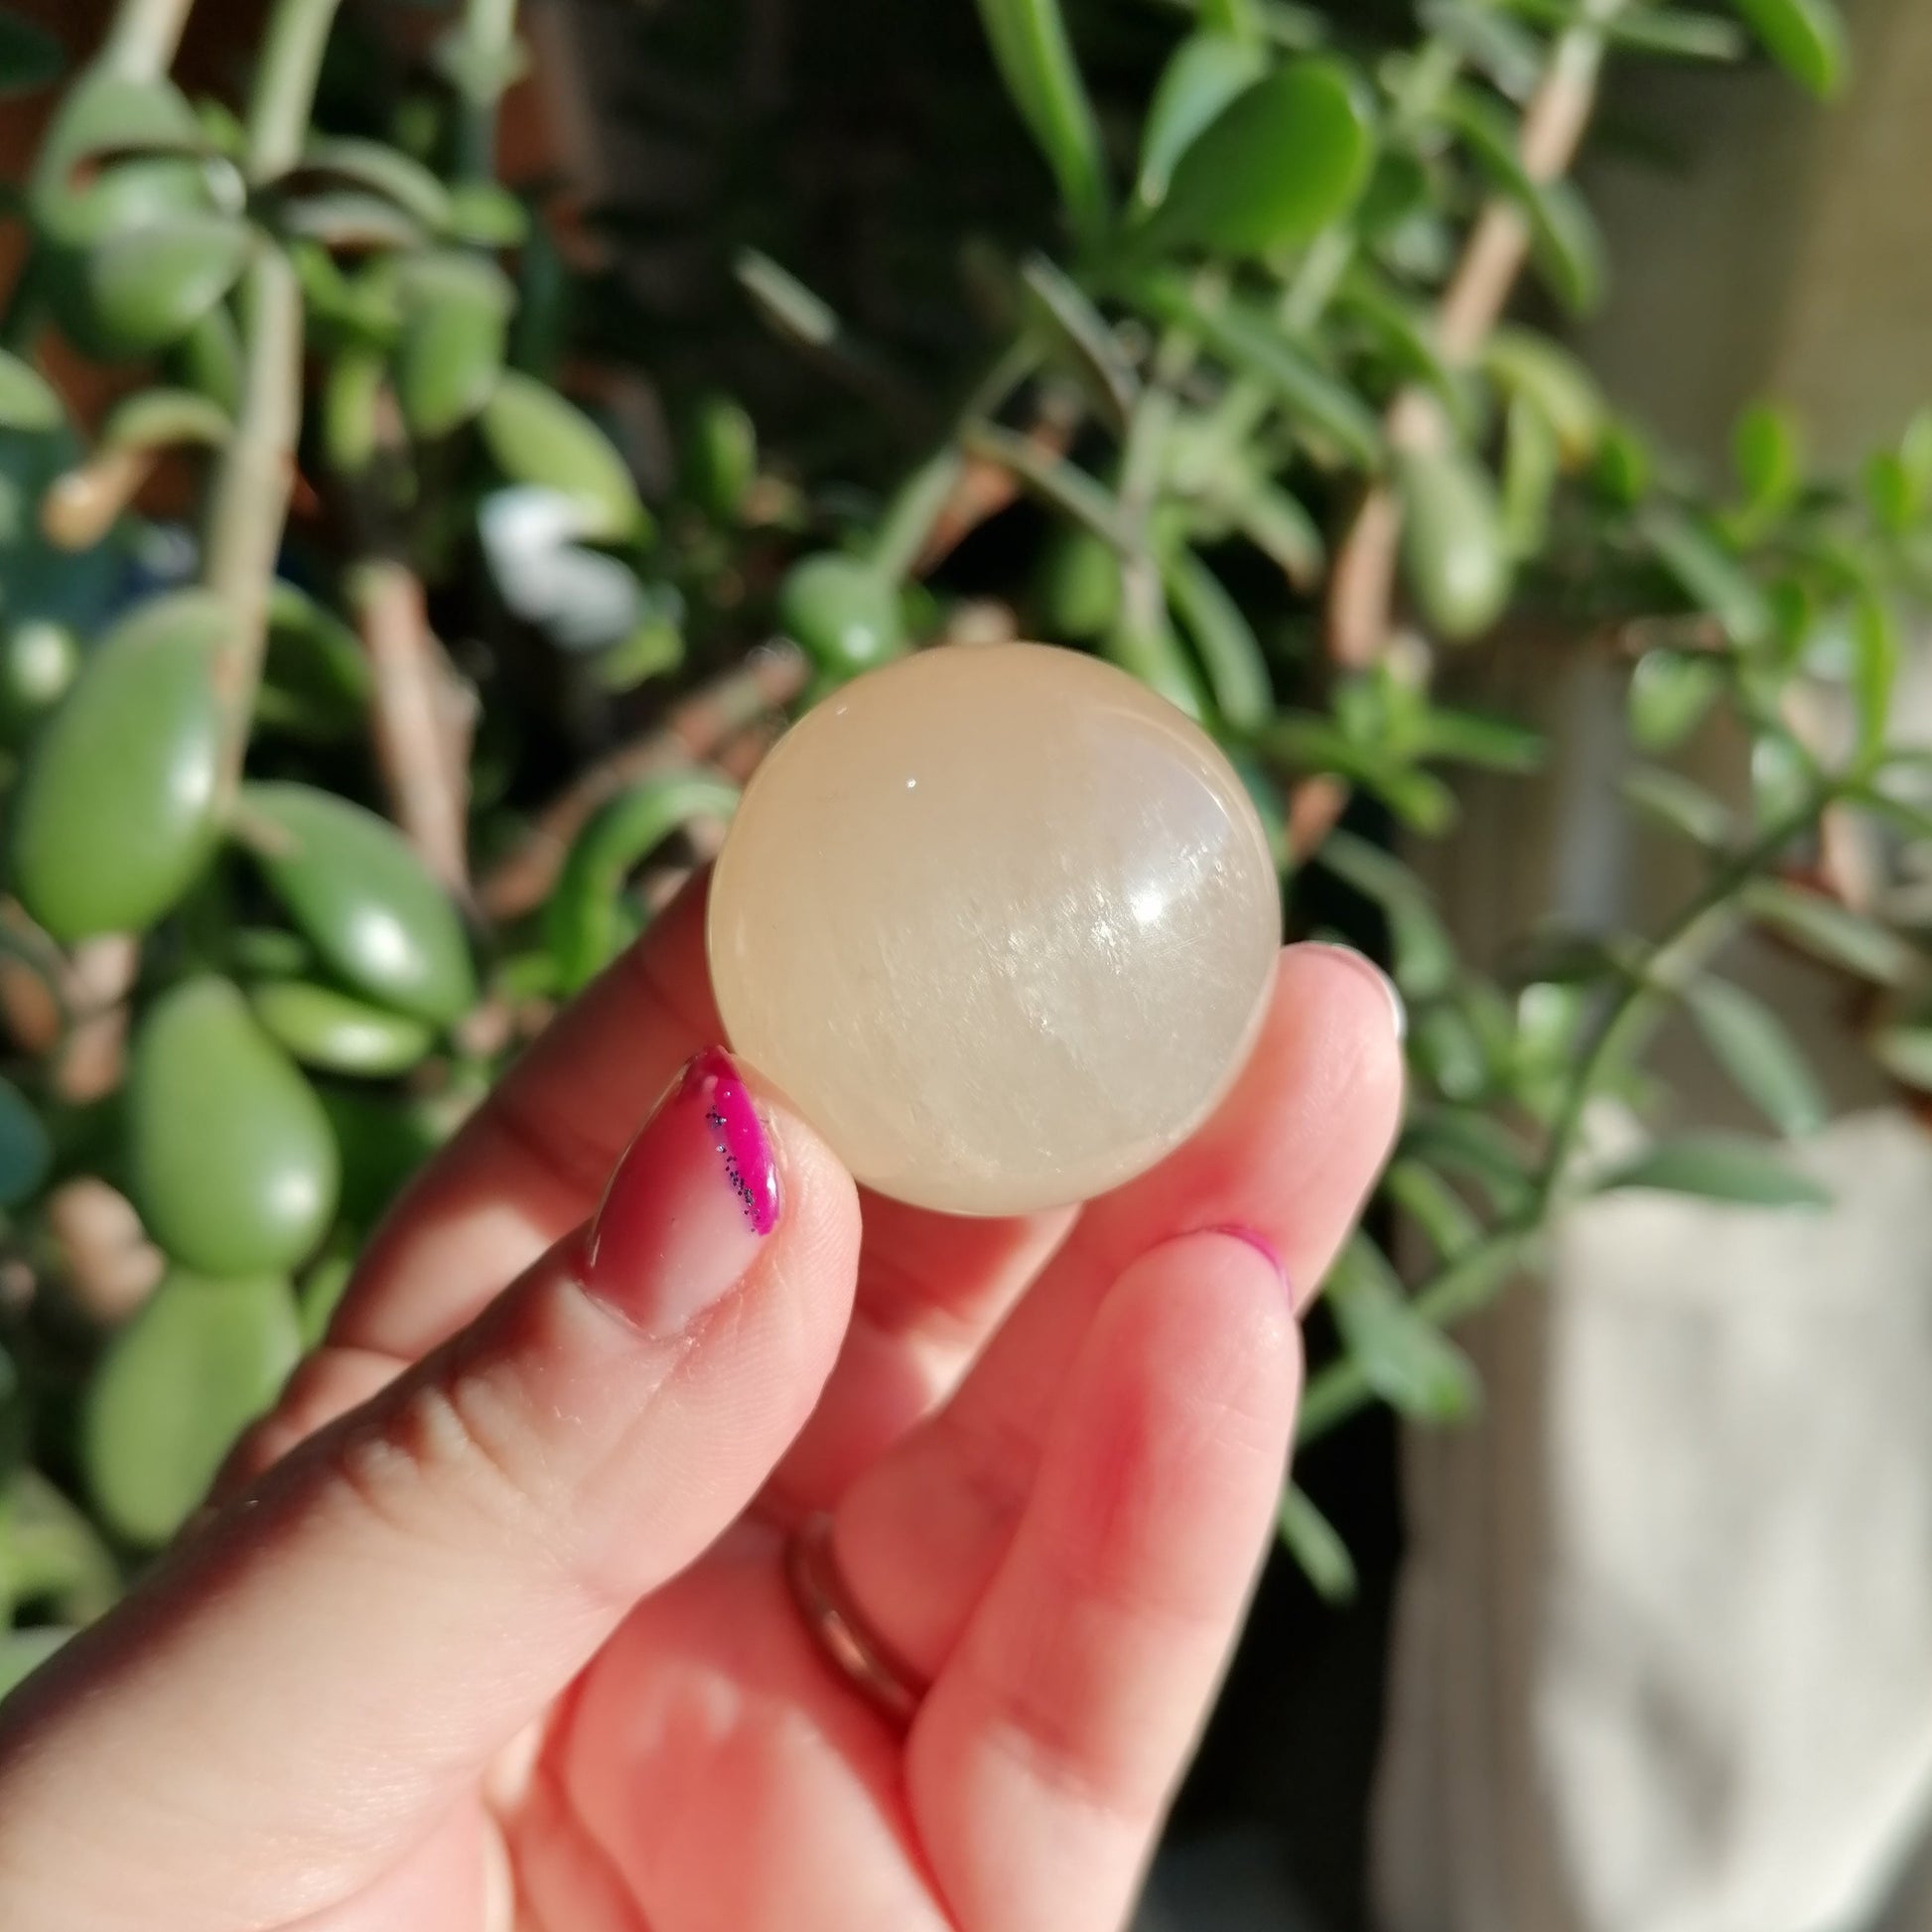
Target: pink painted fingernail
column 1261, row 1245
column 689, row 1203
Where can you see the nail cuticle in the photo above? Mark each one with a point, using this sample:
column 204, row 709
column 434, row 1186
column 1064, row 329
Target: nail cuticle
column 1260, row 1243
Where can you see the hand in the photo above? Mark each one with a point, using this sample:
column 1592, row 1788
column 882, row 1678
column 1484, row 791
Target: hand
column 492, row 1624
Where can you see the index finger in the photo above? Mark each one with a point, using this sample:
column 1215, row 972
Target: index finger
column 532, row 1161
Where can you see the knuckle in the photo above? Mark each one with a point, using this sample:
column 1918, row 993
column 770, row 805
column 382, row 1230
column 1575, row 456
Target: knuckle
column 459, row 1460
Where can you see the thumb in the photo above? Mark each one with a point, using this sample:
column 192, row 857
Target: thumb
column 348, row 1643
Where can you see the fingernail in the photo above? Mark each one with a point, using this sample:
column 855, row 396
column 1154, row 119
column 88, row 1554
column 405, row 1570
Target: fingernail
column 1261, row 1245
column 689, row 1205
column 1361, row 962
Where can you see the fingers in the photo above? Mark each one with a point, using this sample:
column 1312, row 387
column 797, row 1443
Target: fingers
column 530, row 1163
column 1289, row 1155
column 404, row 1594
column 1044, row 1756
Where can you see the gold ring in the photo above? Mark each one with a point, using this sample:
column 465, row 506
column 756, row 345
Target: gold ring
column 838, row 1629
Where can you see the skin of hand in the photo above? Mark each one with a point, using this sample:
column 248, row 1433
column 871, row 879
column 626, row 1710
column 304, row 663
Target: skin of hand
column 490, row 1625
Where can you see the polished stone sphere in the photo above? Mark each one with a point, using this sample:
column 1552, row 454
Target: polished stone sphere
column 998, row 921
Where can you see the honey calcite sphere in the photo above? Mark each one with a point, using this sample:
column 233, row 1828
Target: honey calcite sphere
column 998, row 921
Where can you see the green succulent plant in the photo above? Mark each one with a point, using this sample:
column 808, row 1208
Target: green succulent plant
column 1225, row 389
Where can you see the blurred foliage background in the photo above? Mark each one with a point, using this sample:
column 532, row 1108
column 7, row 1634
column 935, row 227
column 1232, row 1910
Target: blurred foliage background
column 403, row 560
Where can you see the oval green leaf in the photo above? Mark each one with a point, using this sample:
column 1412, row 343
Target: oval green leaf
column 383, row 170
column 1832, row 932
column 1409, row 1364
column 1749, row 1042
column 27, row 398
column 1224, row 640
column 116, row 813
column 1035, row 60
column 1707, row 573
column 1764, row 453
column 74, row 202
column 1806, row 38
column 455, row 318
column 718, row 457
column 1453, row 550
column 1720, row 1168
column 1207, row 73
column 1317, row 1546
column 840, row 611
column 1285, row 159
column 230, row 1157
column 39, row 661
column 145, row 287
column 1679, row 804
column 1670, row 693
column 337, row 1032
column 1077, row 586
column 536, row 437
column 1554, row 382
column 364, row 899
column 201, row 1361
column 1905, row 1053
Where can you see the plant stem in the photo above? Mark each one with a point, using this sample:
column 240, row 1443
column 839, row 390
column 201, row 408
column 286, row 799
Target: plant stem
column 1471, row 1279
column 1362, row 585
column 142, row 40
column 490, row 31
column 248, row 502
column 697, row 729
column 285, row 85
column 929, row 500
column 421, row 750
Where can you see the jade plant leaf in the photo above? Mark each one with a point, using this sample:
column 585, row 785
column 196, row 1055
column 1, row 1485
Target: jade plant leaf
column 201, row 1361
column 1205, row 73
column 455, row 318
column 1805, row 37
column 840, row 611
column 337, row 1032
column 116, row 812
column 1453, row 548
column 1279, row 163
column 230, row 1157
column 27, row 398
column 364, row 900
column 145, row 287
column 1720, row 1168
column 536, row 437
column 1036, row 61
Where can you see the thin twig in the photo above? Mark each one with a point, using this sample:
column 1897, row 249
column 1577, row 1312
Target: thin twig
column 1471, row 1279
column 1362, row 587
column 249, row 503
column 696, row 731
column 142, row 40
column 409, row 716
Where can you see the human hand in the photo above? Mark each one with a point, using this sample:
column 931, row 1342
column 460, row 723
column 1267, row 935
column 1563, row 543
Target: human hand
column 491, row 1626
